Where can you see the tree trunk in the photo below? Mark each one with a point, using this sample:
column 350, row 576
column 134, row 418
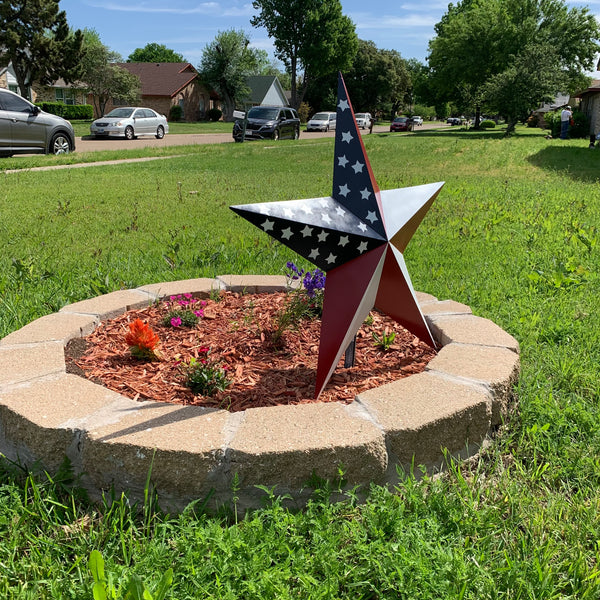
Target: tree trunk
column 477, row 116
column 294, row 91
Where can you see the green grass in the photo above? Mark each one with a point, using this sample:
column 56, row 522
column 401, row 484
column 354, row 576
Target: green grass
column 513, row 234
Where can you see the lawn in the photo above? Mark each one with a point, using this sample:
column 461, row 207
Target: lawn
column 513, row 234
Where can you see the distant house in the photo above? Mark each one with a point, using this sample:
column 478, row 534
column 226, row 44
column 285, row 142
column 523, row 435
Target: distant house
column 164, row 85
column 590, row 105
column 558, row 102
column 265, row 89
column 60, row 91
column 8, row 81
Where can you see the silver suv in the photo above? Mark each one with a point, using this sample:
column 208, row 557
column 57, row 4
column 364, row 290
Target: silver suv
column 25, row 129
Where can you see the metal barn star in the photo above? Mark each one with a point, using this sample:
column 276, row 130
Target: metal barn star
column 357, row 235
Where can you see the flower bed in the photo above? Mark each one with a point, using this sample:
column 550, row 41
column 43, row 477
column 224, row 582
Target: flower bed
column 238, row 331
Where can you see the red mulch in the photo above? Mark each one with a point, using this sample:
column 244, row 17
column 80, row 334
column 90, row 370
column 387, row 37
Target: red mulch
column 235, row 328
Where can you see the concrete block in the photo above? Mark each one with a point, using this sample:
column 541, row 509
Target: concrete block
column 284, row 445
column 470, row 329
column 445, row 307
column 199, row 288
column 30, row 361
column 423, row 414
column 60, row 327
column 34, row 418
column 182, row 446
column 109, row 306
column 424, row 298
column 254, row 284
column 493, row 367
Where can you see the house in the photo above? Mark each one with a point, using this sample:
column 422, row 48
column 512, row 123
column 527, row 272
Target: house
column 164, row 85
column 557, row 103
column 265, row 89
column 590, row 105
column 8, row 81
column 60, row 91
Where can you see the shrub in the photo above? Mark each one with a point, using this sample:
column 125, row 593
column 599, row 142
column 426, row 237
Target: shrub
column 77, row 112
column 175, row 113
column 581, row 128
column 304, row 112
column 487, row 124
column 214, row 114
column 533, row 120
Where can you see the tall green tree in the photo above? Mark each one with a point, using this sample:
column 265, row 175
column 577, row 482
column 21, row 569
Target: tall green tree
column 477, row 41
column 104, row 79
column 311, row 37
column 35, row 37
column 225, row 66
column 155, row 53
column 378, row 80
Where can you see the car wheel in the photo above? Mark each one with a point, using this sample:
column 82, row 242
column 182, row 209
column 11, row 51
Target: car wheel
column 327, row 129
column 160, row 132
column 297, row 133
column 129, row 135
column 276, row 134
column 60, row 144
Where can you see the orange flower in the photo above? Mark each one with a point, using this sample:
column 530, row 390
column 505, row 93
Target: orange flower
column 141, row 339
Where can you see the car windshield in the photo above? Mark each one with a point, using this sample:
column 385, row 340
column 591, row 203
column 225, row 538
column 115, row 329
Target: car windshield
column 321, row 117
column 120, row 113
column 360, row 115
column 400, row 119
column 260, row 112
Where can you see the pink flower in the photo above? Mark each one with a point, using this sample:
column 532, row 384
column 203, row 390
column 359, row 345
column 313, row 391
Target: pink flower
column 175, row 322
column 199, row 313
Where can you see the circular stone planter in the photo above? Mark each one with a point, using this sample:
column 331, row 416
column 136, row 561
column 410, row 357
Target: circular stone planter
column 194, row 452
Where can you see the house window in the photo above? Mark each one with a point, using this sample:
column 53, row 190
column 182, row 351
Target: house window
column 181, row 104
column 13, row 88
column 64, row 95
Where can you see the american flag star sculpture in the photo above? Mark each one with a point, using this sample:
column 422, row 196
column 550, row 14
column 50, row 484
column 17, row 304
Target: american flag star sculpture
column 357, row 235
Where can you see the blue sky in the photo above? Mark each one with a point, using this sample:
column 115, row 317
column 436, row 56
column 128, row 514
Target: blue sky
column 187, row 26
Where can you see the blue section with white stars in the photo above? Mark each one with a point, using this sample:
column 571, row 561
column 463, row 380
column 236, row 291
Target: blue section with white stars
column 353, row 184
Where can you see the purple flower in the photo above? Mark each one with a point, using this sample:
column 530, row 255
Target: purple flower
column 175, row 322
column 199, row 313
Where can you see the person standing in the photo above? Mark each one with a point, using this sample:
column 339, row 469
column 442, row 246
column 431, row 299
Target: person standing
column 565, row 120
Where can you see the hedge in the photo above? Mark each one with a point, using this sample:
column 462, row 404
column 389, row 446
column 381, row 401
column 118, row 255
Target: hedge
column 71, row 112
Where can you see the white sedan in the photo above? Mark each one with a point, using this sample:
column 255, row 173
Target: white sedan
column 129, row 122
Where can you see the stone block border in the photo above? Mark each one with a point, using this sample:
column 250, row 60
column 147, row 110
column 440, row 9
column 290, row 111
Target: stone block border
column 194, row 452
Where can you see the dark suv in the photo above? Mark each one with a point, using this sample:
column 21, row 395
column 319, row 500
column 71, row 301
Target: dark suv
column 25, row 129
column 274, row 122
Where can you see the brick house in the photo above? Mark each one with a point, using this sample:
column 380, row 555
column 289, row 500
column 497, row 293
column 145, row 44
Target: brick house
column 164, row 85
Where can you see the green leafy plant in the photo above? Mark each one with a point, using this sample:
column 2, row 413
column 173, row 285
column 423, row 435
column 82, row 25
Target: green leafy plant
column 205, row 377
column 132, row 589
column 385, row 340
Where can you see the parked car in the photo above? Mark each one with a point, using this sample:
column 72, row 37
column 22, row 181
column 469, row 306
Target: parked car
column 273, row 122
column 401, row 124
column 25, row 129
column 363, row 120
column 454, row 120
column 130, row 122
column 323, row 121
column 417, row 120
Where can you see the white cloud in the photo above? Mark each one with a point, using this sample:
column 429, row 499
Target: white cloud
column 145, row 7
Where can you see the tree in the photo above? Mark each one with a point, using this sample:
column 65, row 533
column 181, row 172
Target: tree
column 226, row 64
column 155, row 53
column 378, row 80
column 35, row 37
column 102, row 77
column 311, row 37
column 481, row 45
